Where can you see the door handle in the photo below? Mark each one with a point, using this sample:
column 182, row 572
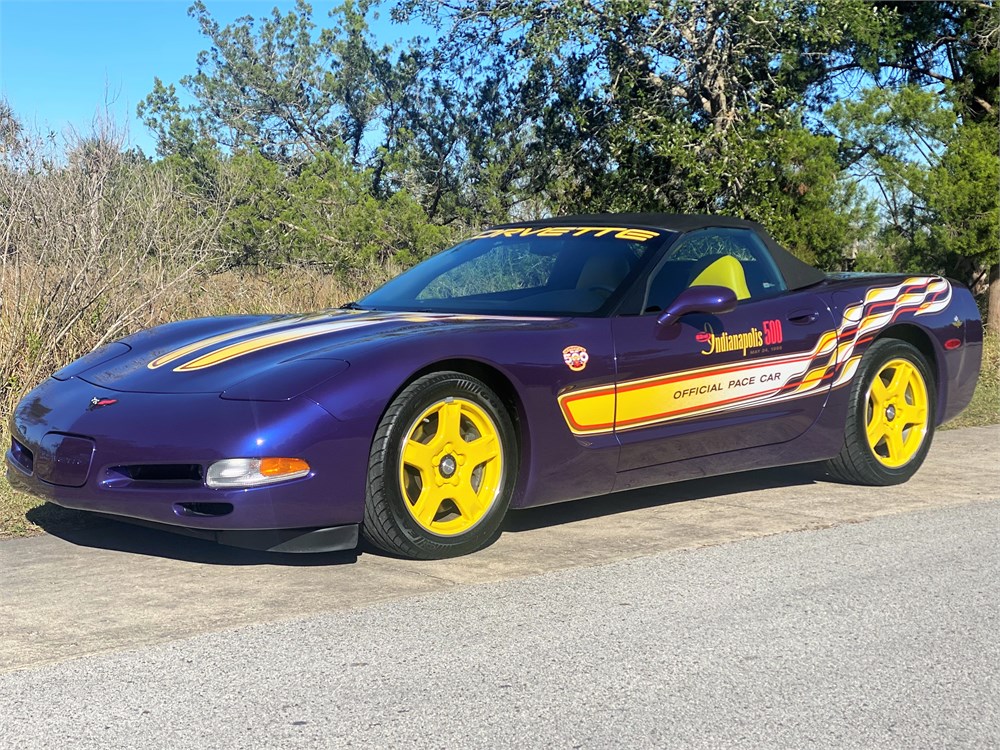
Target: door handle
column 802, row 317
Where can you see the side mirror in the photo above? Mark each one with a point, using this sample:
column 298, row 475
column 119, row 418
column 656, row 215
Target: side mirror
column 698, row 299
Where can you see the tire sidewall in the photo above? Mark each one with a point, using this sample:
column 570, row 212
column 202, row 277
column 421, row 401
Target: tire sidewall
column 880, row 353
column 412, row 402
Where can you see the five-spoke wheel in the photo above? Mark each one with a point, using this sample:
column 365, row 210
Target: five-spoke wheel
column 441, row 470
column 890, row 419
column 451, row 466
column 896, row 420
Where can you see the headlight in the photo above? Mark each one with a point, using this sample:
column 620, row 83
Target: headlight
column 237, row 473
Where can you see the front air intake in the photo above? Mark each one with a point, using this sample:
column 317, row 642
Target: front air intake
column 203, row 510
column 21, row 455
column 185, row 475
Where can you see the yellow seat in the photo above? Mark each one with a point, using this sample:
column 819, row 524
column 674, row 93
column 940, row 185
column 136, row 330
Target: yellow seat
column 727, row 272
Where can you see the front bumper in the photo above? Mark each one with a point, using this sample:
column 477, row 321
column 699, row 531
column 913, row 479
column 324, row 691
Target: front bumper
column 85, row 458
column 295, row 541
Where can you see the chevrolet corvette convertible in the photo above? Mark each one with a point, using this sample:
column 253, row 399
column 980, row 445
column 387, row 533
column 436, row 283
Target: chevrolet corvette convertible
column 532, row 363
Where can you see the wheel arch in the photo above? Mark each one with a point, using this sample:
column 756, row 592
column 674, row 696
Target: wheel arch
column 499, row 383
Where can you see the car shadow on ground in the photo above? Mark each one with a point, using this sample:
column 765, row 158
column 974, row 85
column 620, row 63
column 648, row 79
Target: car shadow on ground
column 99, row 532
column 663, row 494
column 90, row 530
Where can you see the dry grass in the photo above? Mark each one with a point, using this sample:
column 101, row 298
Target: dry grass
column 90, row 247
column 293, row 289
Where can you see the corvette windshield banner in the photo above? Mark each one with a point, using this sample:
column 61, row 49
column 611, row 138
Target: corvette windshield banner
column 619, row 233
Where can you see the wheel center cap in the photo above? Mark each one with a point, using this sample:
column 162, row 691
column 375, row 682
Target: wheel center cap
column 447, row 466
column 890, row 412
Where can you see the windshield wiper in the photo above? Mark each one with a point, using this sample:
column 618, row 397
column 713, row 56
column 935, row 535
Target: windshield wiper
column 351, row 306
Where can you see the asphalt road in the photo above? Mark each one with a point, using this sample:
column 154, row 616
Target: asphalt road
column 870, row 635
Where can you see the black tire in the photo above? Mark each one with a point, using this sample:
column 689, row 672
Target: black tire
column 859, row 462
column 390, row 523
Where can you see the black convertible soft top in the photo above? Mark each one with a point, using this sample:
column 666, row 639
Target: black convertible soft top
column 797, row 273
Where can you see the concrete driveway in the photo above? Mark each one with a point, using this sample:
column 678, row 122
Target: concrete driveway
column 94, row 586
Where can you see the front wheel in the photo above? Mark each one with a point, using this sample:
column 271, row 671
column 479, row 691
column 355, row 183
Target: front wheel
column 442, row 469
column 891, row 417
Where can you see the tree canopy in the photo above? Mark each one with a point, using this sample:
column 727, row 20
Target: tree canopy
column 863, row 134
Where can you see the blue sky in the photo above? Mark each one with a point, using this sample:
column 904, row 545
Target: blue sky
column 62, row 62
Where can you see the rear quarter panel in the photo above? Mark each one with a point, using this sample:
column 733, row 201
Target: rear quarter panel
column 937, row 315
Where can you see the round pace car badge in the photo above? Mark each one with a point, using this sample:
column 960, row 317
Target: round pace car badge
column 575, row 357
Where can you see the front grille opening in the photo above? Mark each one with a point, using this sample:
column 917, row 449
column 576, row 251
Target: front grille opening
column 22, row 455
column 203, row 509
column 185, row 473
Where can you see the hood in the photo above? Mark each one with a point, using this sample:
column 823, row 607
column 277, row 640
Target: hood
column 211, row 355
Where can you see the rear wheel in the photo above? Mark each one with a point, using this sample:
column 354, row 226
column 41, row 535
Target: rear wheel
column 441, row 470
column 890, row 421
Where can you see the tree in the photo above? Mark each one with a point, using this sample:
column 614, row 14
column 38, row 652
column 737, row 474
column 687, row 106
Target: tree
column 837, row 123
column 926, row 134
column 672, row 106
column 309, row 126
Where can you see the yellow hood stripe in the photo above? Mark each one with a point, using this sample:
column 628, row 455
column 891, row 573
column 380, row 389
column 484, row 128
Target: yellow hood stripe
column 260, row 343
column 288, row 330
column 176, row 354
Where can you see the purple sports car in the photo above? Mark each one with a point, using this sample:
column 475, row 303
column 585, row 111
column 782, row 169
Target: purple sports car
column 533, row 363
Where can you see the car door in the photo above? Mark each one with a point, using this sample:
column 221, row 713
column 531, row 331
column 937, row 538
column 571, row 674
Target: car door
column 708, row 384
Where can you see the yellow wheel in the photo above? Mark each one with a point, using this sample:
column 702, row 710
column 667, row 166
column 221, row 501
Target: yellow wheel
column 442, row 469
column 451, row 466
column 890, row 417
column 896, row 422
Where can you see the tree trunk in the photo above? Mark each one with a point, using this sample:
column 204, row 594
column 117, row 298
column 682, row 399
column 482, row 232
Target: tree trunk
column 993, row 300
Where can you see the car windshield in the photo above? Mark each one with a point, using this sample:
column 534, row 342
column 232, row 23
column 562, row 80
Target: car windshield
column 542, row 270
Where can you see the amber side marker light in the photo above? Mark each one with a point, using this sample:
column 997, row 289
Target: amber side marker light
column 952, row 344
column 238, row 473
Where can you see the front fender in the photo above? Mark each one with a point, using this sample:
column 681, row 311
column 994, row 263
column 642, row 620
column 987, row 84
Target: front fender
column 555, row 464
